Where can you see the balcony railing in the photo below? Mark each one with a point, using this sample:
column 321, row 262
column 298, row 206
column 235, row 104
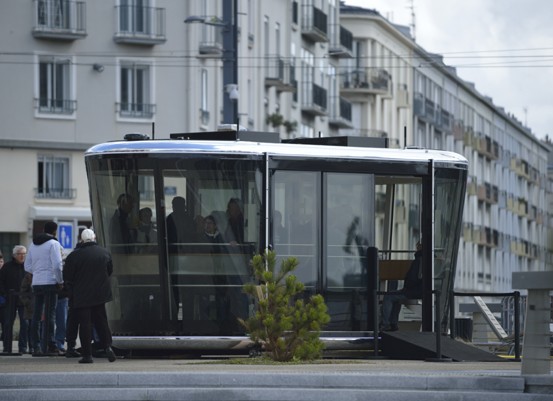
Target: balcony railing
column 140, row 25
column 60, row 20
column 55, row 106
column 314, row 24
column 458, row 130
column 136, row 110
column 55, row 193
column 447, row 120
column 340, row 112
column 341, row 45
column 430, row 109
column 280, row 73
column 418, row 104
column 314, row 99
column 365, row 81
column 488, row 193
column 211, row 41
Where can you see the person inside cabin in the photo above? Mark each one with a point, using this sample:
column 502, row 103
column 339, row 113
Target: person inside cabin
column 145, row 232
column 120, row 224
column 180, row 226
column 279, row 232
column 234, row 234
column 211, row 234
column 412, row 289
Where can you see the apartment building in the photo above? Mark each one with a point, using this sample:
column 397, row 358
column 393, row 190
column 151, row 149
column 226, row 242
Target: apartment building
column 74, row 73
column 506, row 215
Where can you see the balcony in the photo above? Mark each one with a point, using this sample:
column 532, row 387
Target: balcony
column 430, row 109
column 55, row 193
column 418, row 104
column 340, row 113
column 314, row 26
column 522, row 207
column 486, row 147
column 458, row 130
column 341, row 45
column 211, row 41
column 135, row 110
column 357, row 84
column 491, row 237
column 468, row 137
column 140, row 25
column 59, row 20
column 314, row 99
column 446, row 120
column 55, row 106
column 280, row 73
column 472, row 185
column 488, row 193
column 520, row 167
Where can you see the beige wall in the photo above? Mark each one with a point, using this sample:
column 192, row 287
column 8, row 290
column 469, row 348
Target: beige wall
column 18, row 171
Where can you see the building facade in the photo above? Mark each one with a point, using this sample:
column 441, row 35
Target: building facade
column 75, row 73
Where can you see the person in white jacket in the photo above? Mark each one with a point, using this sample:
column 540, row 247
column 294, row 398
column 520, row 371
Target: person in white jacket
column 44, row 261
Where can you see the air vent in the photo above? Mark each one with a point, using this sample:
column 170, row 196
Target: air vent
column 352, row 141
column 136, row 137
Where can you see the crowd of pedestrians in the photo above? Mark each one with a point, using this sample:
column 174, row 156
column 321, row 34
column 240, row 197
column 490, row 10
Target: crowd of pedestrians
column 56, row 300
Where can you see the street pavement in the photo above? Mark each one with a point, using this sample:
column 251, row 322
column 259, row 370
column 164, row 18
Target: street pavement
column 221, row 378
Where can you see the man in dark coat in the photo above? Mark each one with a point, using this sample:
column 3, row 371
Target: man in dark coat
column 412, row 289
column 86, row 274
column 11, row 275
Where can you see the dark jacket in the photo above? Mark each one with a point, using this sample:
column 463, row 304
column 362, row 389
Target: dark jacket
column 412, row 286
column 11, row 275
column 26, row 296
column 86, row 275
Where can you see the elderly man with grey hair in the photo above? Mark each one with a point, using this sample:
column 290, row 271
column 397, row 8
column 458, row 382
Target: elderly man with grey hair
column 11, row 276
column 86, row 274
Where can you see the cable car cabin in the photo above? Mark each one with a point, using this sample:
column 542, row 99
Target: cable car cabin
column 183, row 217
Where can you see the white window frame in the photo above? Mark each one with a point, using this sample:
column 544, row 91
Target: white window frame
column 55, row 99
column 138, row 101
column 137, row 11
column 55, row 14
column 53, row 180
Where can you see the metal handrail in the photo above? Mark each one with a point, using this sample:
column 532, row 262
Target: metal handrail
column 515, row 294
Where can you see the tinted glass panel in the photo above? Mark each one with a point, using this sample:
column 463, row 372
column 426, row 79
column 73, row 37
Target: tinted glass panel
column 296, row 203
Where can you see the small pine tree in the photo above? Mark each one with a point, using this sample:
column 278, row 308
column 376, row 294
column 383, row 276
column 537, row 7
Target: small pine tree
column 285, row 325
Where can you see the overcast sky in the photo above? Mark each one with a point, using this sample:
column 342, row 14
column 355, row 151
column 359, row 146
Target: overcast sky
column 504, row 46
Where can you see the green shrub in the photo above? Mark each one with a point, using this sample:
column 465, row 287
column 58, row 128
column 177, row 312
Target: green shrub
column 284, row 324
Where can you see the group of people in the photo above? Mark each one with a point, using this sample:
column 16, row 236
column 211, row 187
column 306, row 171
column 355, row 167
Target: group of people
column 36, row 280
column 182, row 227
column 123, row 232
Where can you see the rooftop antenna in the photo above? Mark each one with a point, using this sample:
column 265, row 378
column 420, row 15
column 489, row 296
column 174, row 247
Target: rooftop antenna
column 525, row 116
column 413, row 20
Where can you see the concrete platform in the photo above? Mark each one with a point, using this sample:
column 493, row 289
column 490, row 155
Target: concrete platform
column 60, row 378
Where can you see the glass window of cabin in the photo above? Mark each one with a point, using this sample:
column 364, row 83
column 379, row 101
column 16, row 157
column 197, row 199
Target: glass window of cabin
column 449, row 197
column 212, row 222
column 348, row 208
column 295, row 221
column 124, row 207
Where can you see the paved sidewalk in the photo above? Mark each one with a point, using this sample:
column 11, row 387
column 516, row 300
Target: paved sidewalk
column 28, row 364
